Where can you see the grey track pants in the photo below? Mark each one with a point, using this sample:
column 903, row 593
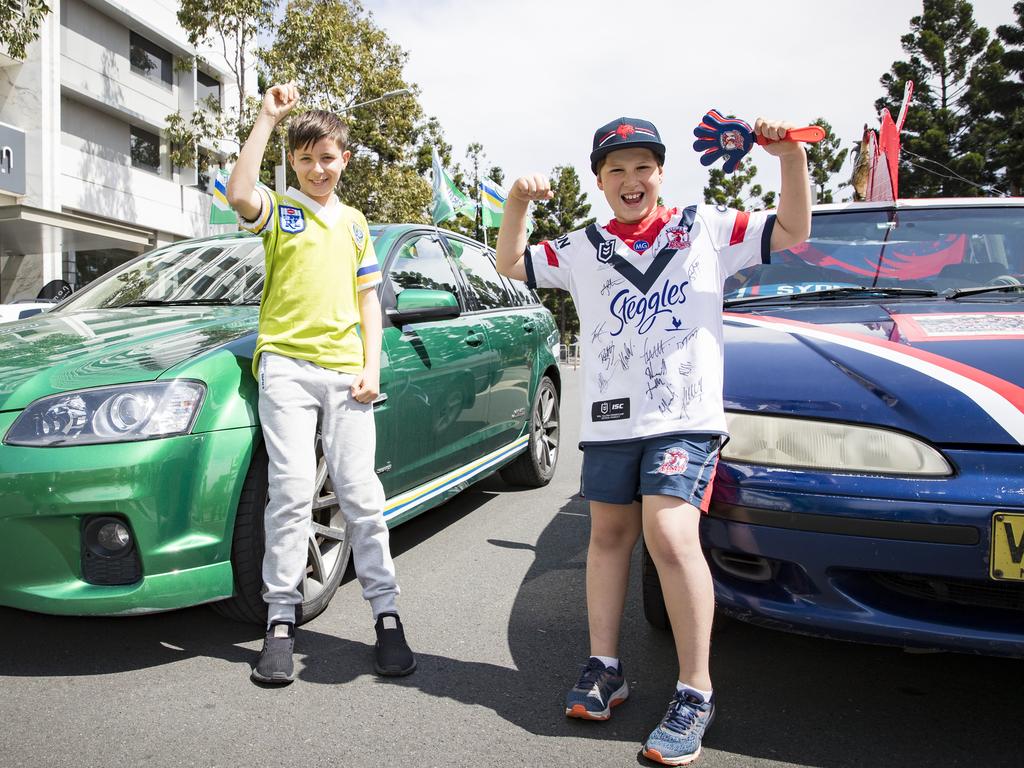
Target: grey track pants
column 296, row 395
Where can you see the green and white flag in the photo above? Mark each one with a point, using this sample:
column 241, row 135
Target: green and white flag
column 449, row 201
column 221, row 211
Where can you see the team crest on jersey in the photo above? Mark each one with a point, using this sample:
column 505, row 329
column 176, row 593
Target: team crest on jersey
column 293, row 220
column 605, row 251
column 678, row 238
column 358, row 235
column 674, row 462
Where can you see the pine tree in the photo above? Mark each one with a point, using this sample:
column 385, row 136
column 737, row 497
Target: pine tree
column 947, row 52
column 731, row 189
column 824, row 160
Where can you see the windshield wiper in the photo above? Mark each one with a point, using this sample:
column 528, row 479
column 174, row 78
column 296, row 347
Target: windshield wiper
column 184, row 302
column 865, row 290
column 956, row 293
column 835, row 293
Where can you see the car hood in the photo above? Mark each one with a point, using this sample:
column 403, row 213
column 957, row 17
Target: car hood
column 52, row 353
column 950, row 373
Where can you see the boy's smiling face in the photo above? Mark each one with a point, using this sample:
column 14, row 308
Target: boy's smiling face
column 631, row 181
column 318, row 167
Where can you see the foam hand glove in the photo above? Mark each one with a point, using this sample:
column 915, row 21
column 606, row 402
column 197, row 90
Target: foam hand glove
column 719, row 136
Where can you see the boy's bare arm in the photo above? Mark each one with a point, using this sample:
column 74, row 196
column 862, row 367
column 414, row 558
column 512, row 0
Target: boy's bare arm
column 512, row 233
column 366, row 387
column 241, row 190
column 793, row 216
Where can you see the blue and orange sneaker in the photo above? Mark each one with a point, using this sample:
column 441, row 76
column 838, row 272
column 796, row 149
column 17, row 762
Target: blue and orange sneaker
column 598, row 690
column 676, row 740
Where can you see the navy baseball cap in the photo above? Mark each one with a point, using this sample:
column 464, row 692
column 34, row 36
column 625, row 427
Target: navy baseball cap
column 623, row 133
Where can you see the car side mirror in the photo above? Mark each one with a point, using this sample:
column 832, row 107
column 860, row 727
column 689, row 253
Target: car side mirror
column 418, row 304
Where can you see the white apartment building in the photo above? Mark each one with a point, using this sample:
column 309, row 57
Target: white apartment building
column 86, row 181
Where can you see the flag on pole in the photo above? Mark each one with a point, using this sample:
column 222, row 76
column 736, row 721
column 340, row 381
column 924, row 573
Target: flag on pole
column 221, row 211
column 492, row 205
column 449, row 201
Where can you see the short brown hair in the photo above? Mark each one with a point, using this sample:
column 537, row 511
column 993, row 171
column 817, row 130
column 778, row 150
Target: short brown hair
column 309, row 127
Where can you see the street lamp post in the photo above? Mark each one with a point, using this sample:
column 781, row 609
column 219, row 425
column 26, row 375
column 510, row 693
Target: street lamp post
column 280, row 171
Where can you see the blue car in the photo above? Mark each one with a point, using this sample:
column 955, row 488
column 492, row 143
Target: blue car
column 873, row 488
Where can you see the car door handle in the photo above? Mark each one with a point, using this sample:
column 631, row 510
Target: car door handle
column 474, row 339
column 528, row 326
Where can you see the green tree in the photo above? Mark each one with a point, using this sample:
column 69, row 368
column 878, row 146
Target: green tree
column 824, row 160
column 19, row 25
column 566, row 211
column 339, row 58
column 737, row 189
column 947, row 52
column 1008, row 105
column 229, row 26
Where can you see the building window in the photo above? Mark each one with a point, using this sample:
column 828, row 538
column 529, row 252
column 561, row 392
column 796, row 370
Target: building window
column 150, row 60
column 207, row 91
column 145, row 150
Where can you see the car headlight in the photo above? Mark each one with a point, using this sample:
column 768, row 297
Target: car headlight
column 778, row 441
column 109, row 415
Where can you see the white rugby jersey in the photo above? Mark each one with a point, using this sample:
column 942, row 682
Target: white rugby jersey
column 651, row 322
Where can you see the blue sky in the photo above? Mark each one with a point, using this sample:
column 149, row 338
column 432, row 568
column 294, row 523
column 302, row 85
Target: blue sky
column 531, row 80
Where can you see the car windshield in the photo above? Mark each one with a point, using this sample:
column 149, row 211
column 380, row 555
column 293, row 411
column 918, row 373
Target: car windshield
column 908, row 253
column 214, row 272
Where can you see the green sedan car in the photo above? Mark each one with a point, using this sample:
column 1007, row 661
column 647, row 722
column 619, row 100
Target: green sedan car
column 133, row 476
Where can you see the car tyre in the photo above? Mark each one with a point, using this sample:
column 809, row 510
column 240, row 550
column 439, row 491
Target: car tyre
column 536, row 466
column 329, row 550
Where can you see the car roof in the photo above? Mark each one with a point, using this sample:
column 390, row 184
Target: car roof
column 923, row 202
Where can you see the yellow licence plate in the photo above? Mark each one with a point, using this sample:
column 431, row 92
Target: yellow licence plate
column 1007, row 546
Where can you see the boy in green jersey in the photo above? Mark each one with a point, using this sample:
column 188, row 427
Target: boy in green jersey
column 317, row 362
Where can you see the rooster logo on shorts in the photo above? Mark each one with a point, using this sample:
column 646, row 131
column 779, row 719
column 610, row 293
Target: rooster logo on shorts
column 674, row 462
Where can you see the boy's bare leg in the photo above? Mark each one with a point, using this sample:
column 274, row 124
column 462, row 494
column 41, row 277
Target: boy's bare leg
column 670, row 527
column 614, row 529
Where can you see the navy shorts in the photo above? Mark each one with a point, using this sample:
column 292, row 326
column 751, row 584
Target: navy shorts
column 670, row 465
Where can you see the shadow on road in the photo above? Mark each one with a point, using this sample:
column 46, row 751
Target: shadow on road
column 781, row 697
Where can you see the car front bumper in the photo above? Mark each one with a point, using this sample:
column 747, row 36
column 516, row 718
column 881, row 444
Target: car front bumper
column 178, row 496
column 886, row 560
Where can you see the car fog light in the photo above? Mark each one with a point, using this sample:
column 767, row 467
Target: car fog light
column 108, row 537
column 114, row 536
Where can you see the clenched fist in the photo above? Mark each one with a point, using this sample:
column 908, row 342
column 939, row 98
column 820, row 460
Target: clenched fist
column 536, row 186
column 280, row 100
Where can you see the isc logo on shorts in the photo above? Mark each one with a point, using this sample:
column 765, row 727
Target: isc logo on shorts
column 610, row 410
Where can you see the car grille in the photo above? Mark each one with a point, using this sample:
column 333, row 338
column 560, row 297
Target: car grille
column 978, row 594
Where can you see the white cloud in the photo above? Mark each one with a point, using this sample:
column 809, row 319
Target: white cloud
column 531, row 80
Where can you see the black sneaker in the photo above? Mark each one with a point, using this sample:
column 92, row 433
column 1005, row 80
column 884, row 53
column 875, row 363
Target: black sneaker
column 392, row 657
column 275, row 663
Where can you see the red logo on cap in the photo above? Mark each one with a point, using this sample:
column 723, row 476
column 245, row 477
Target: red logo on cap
column 625, row 130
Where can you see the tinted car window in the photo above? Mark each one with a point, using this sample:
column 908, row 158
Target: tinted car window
column 422, row 263
column 931, row 248
column 484, row 282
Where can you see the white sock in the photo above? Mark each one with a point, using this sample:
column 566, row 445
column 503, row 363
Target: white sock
column 706, row 695
column 608, row 661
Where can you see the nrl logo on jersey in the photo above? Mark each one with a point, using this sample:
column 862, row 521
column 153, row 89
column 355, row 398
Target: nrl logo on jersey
column 605, row 251
column 293, row 220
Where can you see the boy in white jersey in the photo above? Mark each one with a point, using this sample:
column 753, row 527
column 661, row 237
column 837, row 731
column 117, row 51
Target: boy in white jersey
column 317, row 361
column 648, row 289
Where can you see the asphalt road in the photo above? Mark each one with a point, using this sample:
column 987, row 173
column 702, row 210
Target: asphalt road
column 493, row 602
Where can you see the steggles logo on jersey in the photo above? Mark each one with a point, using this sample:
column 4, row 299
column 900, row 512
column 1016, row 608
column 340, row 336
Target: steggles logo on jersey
column 641, row 311
column 292, row 219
